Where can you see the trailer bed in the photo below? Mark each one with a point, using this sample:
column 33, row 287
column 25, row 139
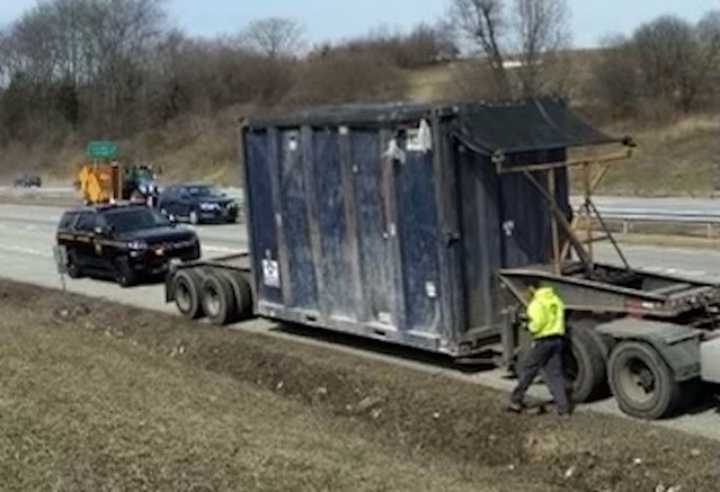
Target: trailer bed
column 612, row 289
column 238, row 261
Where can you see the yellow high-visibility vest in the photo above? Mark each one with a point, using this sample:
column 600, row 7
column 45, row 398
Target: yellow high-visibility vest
column 546, row 313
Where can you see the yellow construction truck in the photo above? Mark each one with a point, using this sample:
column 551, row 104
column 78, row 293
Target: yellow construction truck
column 104, row 179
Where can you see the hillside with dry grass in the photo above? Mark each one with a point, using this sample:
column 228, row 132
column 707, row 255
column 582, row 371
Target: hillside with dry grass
column 189, row 148
column 679, row 157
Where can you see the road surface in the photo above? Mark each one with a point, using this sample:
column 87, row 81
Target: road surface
column 607, row 204
column 700, row 206
column 27, row 235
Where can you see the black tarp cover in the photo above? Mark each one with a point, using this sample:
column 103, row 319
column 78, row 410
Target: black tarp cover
column 535, row 125
column 487, row 128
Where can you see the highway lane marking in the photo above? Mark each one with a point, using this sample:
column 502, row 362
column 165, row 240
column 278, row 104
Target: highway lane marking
column 35, row 221
column 26, row 251
column 222, row 249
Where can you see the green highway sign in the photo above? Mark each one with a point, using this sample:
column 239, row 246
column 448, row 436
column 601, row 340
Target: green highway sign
column 102, row 149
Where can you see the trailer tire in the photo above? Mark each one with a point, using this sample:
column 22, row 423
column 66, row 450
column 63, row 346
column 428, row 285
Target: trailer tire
column 585, row 364
column 218, row 300
column 243, row 294
column 186, row 286
column 642, row 382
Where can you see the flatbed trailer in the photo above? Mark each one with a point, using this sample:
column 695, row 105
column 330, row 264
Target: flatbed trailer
column 427, row 227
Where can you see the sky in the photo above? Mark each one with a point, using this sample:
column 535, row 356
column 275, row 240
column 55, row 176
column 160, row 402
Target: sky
column 338, row 19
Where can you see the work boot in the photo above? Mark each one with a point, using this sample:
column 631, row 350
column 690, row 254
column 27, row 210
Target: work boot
column 513, row 407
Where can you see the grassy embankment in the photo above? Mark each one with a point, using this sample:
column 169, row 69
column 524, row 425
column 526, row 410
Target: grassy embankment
column 95, row 396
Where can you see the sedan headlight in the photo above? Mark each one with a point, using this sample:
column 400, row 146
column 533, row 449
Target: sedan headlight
column 209, row 206
column 137, row 245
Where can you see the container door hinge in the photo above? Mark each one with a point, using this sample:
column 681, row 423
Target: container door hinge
column 452, row 237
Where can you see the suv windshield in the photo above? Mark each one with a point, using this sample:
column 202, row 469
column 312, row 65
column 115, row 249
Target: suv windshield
column 135, row 220
column 204, row 191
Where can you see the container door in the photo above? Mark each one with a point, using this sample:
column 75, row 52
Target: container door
column 296, row 260
column 328, row 179
column 525, row 216
column 418, row 238
column 262, row 221
column 375, row 228
column 398, row 232
column 480, row 236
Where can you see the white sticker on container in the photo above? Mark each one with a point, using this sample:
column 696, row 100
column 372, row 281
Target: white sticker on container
column 420, row 139
column 509, row 228
column 413, row 141
column 271, row 273
column 385, row 318
column 431, row 290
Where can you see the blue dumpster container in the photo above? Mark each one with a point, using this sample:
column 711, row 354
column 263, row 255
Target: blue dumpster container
column 392, row 221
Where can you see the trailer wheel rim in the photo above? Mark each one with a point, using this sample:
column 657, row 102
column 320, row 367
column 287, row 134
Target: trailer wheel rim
column 638, row 380
column 183, row 297
column 212, row 301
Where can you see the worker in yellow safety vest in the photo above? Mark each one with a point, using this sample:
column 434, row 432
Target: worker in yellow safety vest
column 546, row 322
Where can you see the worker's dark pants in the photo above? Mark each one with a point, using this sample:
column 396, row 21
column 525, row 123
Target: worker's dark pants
column 545, row 355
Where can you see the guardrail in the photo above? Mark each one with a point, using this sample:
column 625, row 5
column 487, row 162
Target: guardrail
column 628, row 217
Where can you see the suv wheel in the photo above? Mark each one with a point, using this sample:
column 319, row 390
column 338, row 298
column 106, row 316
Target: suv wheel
column 124, row 275
column 194, row 217
column 73, row 269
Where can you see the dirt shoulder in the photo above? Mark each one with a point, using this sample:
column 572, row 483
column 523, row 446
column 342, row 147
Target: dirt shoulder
column 98, row 396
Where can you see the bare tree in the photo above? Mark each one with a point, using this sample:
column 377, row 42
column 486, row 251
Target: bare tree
column 676, row 58
column 614, row 80
column 668, row 63
column 665, row 51
column 541, row 31
column 275, row 37
column 708, row 32
column 483, row 24
column 516, row 38
column 342, row 76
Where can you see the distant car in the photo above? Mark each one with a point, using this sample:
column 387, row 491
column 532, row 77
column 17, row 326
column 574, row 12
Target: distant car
column 28, row 181
column 197, row 204
column 124, row 242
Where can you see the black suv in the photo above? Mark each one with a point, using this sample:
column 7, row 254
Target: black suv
column 197, row 203
column 126, row 242
column 28, row 181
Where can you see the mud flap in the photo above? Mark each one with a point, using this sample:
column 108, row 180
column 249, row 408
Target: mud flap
column 710, row 360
